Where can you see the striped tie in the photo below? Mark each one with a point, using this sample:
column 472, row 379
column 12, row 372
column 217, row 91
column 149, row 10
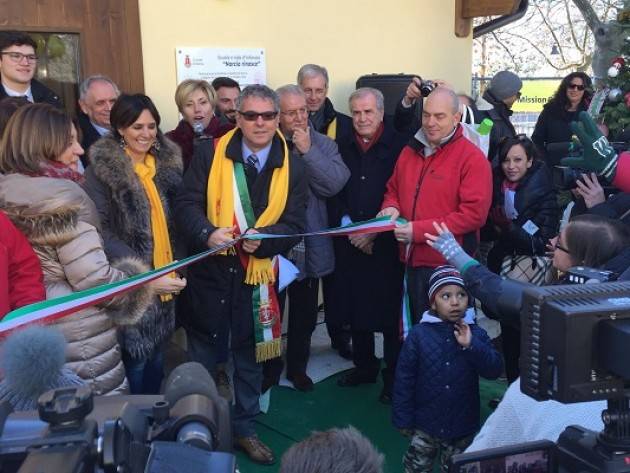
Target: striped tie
column 252, row 160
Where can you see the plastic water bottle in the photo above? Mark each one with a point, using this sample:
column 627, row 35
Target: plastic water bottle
column 485, row 126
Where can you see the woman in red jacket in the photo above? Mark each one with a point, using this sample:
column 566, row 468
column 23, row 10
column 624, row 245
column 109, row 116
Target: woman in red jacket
column 21, row 278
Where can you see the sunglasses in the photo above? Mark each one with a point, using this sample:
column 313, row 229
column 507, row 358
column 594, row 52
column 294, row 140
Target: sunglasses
column 251, row 116
column 576, row 86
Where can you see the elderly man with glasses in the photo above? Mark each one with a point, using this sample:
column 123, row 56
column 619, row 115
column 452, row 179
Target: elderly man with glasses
column 248, row 183
column 326, row 175
column 18, row 63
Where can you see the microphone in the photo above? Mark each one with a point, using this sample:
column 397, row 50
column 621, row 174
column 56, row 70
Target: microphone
column 203, row 418
column 189, row 378
column 33, row 362
column 198, row 128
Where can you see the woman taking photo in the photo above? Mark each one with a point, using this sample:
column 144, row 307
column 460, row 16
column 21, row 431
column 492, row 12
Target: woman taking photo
column 39, row 155
column 196, row 100
column 553, row 126
column 524, row 213
column 133, row 176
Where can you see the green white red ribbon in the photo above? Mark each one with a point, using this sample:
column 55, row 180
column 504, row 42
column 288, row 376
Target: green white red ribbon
column 53, row 309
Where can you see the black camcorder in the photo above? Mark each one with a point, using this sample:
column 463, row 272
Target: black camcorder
column 564, row 177
column 575, row 342
column 186, row 429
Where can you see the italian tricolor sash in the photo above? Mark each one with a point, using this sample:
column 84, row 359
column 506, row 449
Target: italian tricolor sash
column 229, row 204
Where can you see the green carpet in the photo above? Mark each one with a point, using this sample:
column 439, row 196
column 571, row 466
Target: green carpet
column 293, row 415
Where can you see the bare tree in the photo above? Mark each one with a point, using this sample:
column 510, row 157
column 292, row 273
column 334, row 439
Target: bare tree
column 609, row 36
column 553, row 38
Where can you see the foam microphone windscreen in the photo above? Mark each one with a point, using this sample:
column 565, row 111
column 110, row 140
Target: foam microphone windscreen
column 189, row 378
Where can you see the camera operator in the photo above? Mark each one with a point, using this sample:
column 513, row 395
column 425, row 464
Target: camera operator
column 589, row 240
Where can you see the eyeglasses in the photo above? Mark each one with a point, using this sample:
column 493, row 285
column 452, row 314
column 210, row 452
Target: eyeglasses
column 576, row 86
column 251, row 116
column 557, row 246
column 295, row 113
column 17, row 57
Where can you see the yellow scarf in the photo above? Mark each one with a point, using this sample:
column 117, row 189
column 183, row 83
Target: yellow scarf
column 332, row 129
column 162, row 251
column 220, row 209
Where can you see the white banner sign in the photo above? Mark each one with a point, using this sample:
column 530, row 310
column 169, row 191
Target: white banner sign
column 245, row 65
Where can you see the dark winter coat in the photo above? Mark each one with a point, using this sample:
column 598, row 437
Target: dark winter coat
column 21, row 278
column 490, row 107
column 89, row 135
column 365, row 289
column 326, row 174
column 535, row 201
column 554, row 126
column 344, row 123
column 184, row 136
column 436, row 389
column 493, row 290
column 216, row 292
column 41, row 94
column 616, row 207
column 125, row 215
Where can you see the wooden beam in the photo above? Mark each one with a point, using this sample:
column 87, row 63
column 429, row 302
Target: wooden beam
column 475, row 8
column 463, row 26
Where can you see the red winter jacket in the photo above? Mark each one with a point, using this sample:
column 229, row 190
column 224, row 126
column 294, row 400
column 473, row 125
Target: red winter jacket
column 21, row 278
column 622, row 175
column 454, row 186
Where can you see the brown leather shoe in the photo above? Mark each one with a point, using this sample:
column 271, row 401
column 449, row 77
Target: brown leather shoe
column 255, row 449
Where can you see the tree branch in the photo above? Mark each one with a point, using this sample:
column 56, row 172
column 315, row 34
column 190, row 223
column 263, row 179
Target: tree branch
column 507, row 50
column 588, row 12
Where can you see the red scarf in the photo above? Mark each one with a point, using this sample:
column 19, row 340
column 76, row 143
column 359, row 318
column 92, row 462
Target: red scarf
column 508, row 185
column 363, row 145
column 58, row 170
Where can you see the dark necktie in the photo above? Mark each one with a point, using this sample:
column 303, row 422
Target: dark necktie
column 251, row 166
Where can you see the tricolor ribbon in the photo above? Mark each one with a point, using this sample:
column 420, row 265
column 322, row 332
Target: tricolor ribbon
column 53, row 309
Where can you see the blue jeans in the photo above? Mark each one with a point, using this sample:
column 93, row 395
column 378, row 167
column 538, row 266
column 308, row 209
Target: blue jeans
column 144, row 375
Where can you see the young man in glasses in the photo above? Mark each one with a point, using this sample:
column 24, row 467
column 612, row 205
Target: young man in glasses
column 248, row 183
column 496, row 104
column 18, row 63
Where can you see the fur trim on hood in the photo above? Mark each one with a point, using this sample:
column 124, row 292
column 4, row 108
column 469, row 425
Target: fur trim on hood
column 55, row 228
column 128, row 308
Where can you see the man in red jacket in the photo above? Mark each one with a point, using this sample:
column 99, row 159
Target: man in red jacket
column 21, row 279
column 439, row 176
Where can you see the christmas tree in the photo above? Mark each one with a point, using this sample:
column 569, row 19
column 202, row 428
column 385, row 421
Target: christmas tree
column 615, row 111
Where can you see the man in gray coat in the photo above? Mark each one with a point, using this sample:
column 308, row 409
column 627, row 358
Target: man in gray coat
column 326, row 175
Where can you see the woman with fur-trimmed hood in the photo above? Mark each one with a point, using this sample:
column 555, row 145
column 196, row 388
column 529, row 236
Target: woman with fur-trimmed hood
column 133, row 177
column 41, row 196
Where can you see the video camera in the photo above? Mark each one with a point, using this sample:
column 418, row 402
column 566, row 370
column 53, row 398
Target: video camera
column 564, row 177
column 186, row 429
column 575, row 343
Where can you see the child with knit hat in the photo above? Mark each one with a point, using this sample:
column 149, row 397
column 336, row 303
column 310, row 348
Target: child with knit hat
column 436, row 390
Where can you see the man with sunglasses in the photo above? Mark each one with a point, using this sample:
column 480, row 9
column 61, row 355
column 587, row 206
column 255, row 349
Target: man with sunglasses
column 18, row 63
column 248, row 183
column 496, row 104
